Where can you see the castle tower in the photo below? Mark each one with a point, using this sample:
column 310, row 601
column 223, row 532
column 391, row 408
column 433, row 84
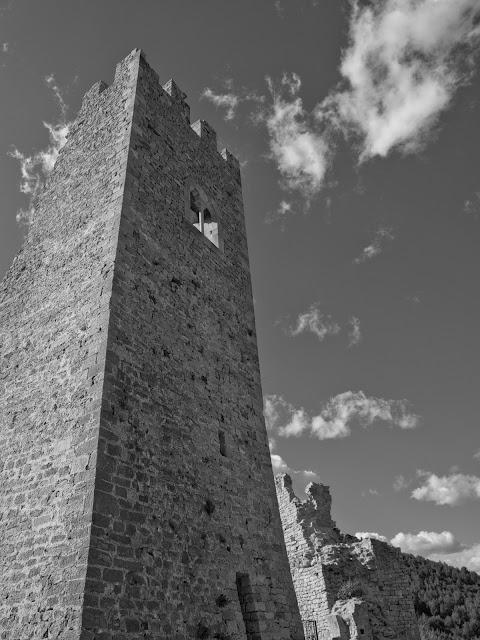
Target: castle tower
column 136, row 494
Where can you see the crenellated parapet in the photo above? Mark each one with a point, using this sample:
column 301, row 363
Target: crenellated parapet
column 177, row 101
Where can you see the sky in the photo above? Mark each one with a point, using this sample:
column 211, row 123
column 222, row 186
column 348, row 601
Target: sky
column 357, row 128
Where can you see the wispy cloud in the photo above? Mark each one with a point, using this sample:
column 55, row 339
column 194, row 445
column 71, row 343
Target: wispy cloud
column 400, row 483
column 451, row 490
column 230, row 99
column 227, row 100
column 36, row 167
column 321, row 324
column 371, row 492
column 376, row 247
column 300, row 151
column 476, row 455
column 367, row 534
column 280, row 6
column 283, row 418
column 427, row 542
column 280, row 466
column 4, row 10
column 337, row 416
column 355, row 334
column 314, row 321
column 472, row 206
column 401, row 69
column 5, row 47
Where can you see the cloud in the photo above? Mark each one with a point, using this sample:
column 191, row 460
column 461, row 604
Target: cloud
column 382, row 235
column 371, row 492
column 450, row 490
column 469, row 557
column 337, row 416
column 280, row 8
column 400, row 483
column 472, row 207
column 355, row 335
column 316, row 322
column 230, row 100
column 4, row 10
column 427, row 542
column 376, row 536
column 5, row 47
column 322, row 325
column 440, row 547
column 404, row 61
column 300, row 152
column 35, row 168
column 280, row 466
column 476, row 455
column 283, row 418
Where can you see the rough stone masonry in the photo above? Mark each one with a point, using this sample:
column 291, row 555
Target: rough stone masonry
column 349, row 589
column 136, row 494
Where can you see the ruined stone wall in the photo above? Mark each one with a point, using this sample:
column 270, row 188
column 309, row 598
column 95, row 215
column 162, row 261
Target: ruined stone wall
column 307, row 526
column 54, row 310
column 383, row 578
column 137, row 486
column 323, row 561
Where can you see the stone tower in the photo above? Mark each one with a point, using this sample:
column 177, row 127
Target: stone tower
column 136, row 494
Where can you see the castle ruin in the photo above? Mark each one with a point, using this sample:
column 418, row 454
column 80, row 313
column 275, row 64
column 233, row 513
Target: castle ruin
column 347, row 589
column 137, row 499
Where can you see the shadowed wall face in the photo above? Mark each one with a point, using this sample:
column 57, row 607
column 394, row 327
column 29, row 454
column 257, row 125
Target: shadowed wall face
column 147, row 397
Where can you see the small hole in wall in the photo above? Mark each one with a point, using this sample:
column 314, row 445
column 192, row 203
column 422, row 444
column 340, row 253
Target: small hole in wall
column 223, row 447
column 222, row 601
column 362, row 632
column 209, row 507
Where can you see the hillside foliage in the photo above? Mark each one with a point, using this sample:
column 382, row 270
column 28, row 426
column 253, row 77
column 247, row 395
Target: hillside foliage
column 447, row 600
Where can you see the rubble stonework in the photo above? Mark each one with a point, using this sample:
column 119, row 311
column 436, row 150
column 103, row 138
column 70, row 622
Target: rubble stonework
column 136, row 493
column 351, row 588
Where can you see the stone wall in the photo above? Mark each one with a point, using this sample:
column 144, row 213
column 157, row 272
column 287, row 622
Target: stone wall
column 54, row 314
column 137, row 495
column 351, row 588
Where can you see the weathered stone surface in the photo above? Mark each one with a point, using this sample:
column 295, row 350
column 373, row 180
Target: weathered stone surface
column 350, row 620
column 136, row 497
column 324, row 562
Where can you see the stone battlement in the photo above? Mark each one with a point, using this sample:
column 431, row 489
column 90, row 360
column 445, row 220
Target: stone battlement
column 177, row 98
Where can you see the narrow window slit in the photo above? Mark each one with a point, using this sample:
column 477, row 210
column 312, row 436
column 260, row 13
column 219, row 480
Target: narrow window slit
column 202, row 214
column 223, row 446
